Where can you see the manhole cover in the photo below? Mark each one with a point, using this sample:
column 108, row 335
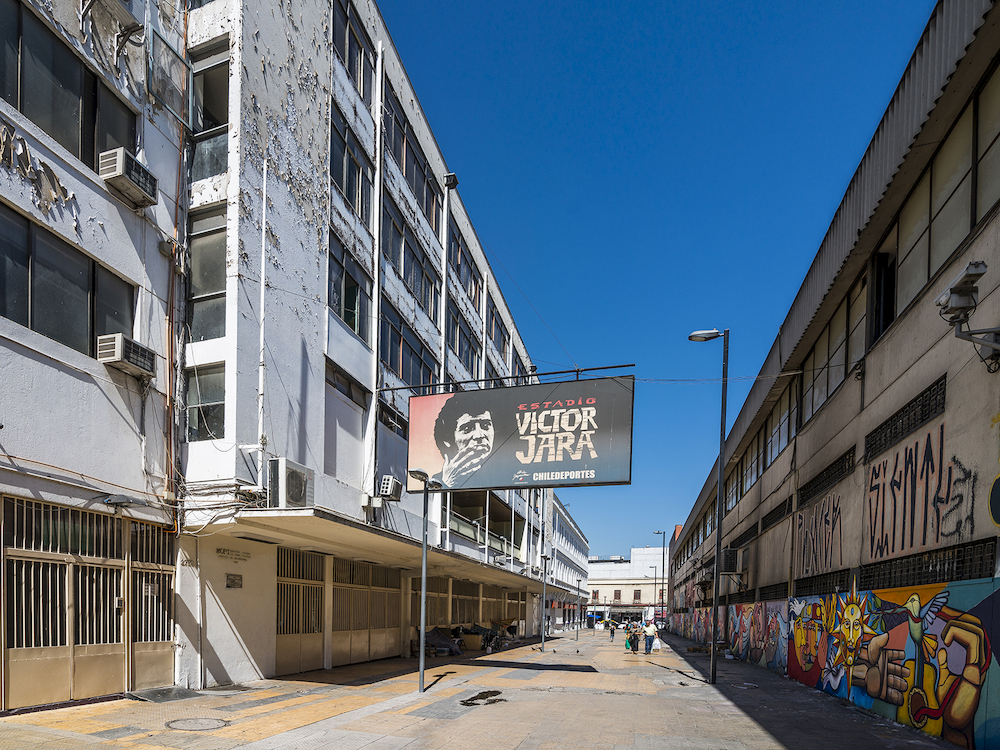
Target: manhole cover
column 196, row 725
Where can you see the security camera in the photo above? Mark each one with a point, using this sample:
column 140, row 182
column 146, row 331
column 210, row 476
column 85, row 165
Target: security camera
column 962, row 294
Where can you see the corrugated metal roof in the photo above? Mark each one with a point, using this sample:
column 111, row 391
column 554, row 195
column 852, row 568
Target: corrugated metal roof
column 949, row 33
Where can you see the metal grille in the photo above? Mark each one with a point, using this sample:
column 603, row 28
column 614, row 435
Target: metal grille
column 36, row 604
column 360, row 600
column 341, row 609
column 743, row 539
column 152, row 606
column 740, row 597
column 312, row 608
column 435, row 585
column 378, row 610
column 827, row 478
column 43, row 527
column 97, row 596
column 385, row 578
column 922, row 409
column 393, row 611
column 300, row 565
column 828, row 583
column 772, row 518
column 961, row 563
column 352, row 571
column 152, row 544
column 464, row 588
column 774, row 592
column 289, row 608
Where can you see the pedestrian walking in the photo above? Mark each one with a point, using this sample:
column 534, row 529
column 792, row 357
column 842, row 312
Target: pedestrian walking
column 649, row 630
column 612, row 627
column 635, row 638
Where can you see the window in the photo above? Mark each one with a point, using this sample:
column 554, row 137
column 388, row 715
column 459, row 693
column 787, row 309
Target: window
column 210, row 115
column 618, row 595
column 826, row 366
column 42, row 77
column 637, row 595
column 465, row 269
column 393, row 420
column 496, row 330
column 595, row 594
column 347, row 385
column 206, row 403
column 350, row 167
column 349, row 289
column 520, row 374
column 400, row 247
column 354, row 48
column 207, row 295
column 52, row 288
column 493, row 379
column 404, row 354
column 462, row 341
column 401, row 142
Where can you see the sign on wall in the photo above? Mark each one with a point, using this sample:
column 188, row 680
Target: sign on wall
column 577, row 433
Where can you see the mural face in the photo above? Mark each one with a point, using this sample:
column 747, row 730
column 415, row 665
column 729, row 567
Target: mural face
column 758, row 633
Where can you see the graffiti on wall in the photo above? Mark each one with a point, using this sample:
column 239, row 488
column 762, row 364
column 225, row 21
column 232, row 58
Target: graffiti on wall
column 921, row 656
column 820, row 533
column 758, row 633
column 917, row 498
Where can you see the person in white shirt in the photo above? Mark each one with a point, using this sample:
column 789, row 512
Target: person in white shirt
column 649, row 630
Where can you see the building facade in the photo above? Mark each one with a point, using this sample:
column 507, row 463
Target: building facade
column 860, row 517
column 280, row 258
column 629, row 588
column 567, row 568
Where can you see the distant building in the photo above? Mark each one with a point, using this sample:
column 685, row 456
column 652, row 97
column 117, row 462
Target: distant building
column 628, row 588
column 860, row 507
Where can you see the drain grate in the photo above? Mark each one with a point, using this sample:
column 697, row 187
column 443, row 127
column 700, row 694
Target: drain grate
column 196, row 725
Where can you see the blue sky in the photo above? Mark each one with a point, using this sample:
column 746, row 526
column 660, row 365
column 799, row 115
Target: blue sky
column 639, row 170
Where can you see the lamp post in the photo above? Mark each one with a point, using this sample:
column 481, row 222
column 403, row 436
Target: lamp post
column 709, row 336
column 429, row 484
column 545, row 575
column 653, row 598
column 663, row 569
column 578, row 608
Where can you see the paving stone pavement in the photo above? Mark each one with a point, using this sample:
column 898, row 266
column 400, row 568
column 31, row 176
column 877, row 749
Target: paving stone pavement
column 586, row 693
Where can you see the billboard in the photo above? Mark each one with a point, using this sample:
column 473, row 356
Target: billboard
column 575, row 433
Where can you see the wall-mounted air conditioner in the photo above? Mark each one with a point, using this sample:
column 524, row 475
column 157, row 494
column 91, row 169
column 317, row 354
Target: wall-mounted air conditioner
column 390, row 488
column 730, row 561
column 117, row 350
column 371, row 502
column 128, row 13
column 289, row 485
column 122, row 171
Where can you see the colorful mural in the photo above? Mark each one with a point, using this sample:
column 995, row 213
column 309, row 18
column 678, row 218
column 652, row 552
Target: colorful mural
column 758, row 633
column 921, row 656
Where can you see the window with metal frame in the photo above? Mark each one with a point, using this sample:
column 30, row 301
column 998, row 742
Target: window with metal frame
column 41, row 76
column 349, row 290
column 206, row 402
column 404, row 354
column 52, row 288
column 354, row 48
column 408, row 259
column 496, row 330
column 36, row 526
column 350, row 168
column 207, row 277
column 462, row 340
column 460, row 259
column 401, row 143
column 210, row 114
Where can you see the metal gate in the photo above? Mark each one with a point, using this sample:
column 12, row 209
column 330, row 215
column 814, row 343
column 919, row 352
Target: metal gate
column 65, row 584
column 299, row 644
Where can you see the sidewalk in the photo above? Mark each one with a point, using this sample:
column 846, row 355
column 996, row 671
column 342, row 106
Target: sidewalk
column 588, row 693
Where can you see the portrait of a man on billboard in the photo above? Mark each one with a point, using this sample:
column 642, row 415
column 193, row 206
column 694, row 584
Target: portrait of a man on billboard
column 549, row 435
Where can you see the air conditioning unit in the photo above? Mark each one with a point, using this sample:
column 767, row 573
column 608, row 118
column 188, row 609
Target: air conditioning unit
column 289, row 485
column 390, row 488
column 730, row 561
column 122, row 171
column 128, row 13
column 371, row 502
column 119, row 351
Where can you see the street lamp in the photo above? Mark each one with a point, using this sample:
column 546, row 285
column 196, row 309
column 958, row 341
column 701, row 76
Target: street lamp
column 578, row 608
column 663, row 568
column 429, row 484
column 545, row 575
column 653, row 598
column 709, row 336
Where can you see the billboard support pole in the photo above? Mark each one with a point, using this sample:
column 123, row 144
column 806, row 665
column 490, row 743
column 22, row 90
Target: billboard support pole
column 545, row 575
column 421, row 476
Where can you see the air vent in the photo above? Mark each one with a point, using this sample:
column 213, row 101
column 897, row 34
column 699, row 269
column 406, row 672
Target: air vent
column 122, row 171
column 117, row 350
column 730, row 561
column 289, row 485
column 390, row 488
column 129, row 13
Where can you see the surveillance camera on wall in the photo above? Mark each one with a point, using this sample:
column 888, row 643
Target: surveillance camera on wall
column 962, row 295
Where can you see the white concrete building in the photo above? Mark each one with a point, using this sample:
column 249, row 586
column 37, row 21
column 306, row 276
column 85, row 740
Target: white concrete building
column 280, row 255
column 567, row 568
column 629, row 588
column 88, row 251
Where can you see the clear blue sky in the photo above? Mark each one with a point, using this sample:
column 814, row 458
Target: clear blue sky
column 644, row 169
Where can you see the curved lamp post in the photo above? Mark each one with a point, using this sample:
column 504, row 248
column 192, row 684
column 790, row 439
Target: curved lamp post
column 663, row 573
column 709, row 336
column 429, row 484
